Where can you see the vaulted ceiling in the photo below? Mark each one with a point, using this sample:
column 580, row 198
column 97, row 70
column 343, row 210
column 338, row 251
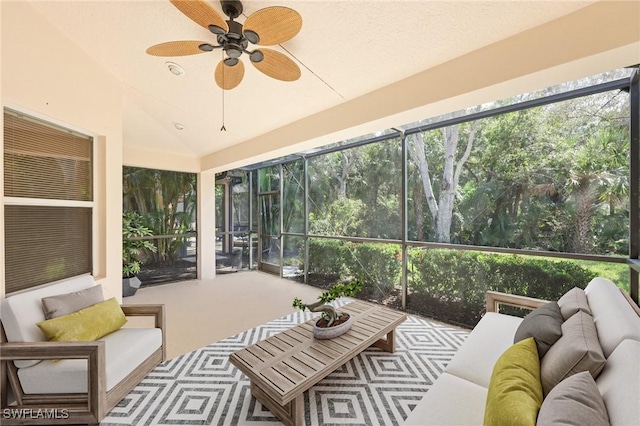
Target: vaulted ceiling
column 364, row 64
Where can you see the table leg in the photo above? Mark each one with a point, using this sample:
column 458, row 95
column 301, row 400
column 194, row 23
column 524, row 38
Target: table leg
column 388, row 344
column 291, row 414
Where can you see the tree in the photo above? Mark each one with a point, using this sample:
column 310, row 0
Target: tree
column 599, row 177
column 166, row 200
column 441, row 209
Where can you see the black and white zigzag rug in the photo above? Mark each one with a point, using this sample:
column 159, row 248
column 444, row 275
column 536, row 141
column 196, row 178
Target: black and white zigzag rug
column 374, row 388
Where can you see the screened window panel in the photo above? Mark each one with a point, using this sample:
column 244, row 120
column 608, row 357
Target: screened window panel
column 45, row 161
column 45, row 244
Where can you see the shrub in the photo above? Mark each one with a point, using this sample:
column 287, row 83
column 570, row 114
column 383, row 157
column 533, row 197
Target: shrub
column 133, row 226
column 378, row 265
column 326, row 258
column 451, row 285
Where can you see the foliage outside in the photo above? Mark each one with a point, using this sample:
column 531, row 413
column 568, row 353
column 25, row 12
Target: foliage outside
column 445, row 284
column 132, row 227
column 377, row 265
column 167, row 202
column 552, row 178
column 452, row 284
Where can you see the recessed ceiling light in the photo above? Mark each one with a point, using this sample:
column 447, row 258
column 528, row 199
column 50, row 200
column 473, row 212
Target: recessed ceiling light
column 178, row 126
column 174, row 68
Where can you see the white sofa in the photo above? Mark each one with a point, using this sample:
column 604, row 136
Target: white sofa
column 459, row 395
column 86, row 379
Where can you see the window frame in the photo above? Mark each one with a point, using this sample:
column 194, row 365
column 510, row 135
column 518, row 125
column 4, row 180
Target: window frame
column 46, row 202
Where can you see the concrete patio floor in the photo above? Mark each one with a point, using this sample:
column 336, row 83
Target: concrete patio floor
column 202, row 312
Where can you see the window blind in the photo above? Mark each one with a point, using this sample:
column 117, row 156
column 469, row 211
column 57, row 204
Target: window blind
column 45, row 243
column 45, row 161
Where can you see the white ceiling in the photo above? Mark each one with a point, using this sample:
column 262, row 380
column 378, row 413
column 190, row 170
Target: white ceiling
column 345, row 49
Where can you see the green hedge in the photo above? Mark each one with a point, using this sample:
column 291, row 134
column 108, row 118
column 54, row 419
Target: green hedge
column 451, row 285
column 378, row 265
column 445, row 284
column 326, row 258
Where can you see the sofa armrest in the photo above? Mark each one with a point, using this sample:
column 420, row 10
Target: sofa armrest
column 157, row 311
column 93, row 352
column 495, row 299
column 13, row 351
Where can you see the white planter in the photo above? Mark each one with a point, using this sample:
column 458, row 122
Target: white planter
column 331, row 332
column 130, row 286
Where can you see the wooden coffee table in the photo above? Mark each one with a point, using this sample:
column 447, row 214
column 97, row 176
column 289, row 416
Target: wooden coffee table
column 282, row 367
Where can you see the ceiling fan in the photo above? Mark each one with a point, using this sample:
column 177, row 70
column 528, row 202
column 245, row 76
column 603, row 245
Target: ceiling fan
column 266, row 27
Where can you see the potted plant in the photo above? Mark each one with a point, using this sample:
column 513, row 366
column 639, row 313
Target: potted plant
column 132, row 227
column 332, row 323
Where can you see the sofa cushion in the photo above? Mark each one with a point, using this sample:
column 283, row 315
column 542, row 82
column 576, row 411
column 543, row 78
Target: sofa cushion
column 64, row 304
column 21, row 312
column 614, row 318
column 544, row 325
column 577, row 350
column 475, row 359
column 619, row 384
column 574, row 401
column 125, row 350
column 515, row 393
column 85, row 325
column 441, row 405
column 573, row 301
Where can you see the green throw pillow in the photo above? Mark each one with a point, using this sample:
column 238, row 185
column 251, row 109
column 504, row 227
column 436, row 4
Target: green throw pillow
column 85, row 325
column 515, row 393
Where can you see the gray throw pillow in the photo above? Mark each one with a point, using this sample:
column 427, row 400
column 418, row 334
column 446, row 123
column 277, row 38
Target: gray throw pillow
column 573, row 301
column 576, row 351
column 574, row 401
column 544, row 324
column 64, row 304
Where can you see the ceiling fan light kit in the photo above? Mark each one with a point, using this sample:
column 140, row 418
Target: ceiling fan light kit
column 266, row 27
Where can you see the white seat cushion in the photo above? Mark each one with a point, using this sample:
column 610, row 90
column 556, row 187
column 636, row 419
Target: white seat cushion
column 125, row 350
column 619, row 384
column 450, row 401
column 21, row 312
column 614, row 318
column 474, row 361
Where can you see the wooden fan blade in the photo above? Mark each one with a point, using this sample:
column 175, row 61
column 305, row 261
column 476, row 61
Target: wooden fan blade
column 176, row 48
column 278, row 66
column 201, row 13
column 229, row 77
column 274, row 25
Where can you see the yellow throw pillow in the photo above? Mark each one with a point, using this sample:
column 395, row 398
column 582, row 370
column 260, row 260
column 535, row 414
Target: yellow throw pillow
column 515, row 392
column 85, row 325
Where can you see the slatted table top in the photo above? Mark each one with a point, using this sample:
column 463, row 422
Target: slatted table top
column 290, row 362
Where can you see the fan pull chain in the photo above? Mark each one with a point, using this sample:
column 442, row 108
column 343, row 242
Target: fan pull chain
column 223, row 129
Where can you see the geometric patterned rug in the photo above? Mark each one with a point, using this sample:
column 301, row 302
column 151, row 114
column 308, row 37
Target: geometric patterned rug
column 374, row 388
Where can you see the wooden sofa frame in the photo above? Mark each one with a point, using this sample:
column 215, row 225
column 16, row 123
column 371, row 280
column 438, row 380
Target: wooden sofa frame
column 71, row 408
column 496, row 299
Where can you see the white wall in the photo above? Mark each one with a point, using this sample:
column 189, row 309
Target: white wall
column 46, row 75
